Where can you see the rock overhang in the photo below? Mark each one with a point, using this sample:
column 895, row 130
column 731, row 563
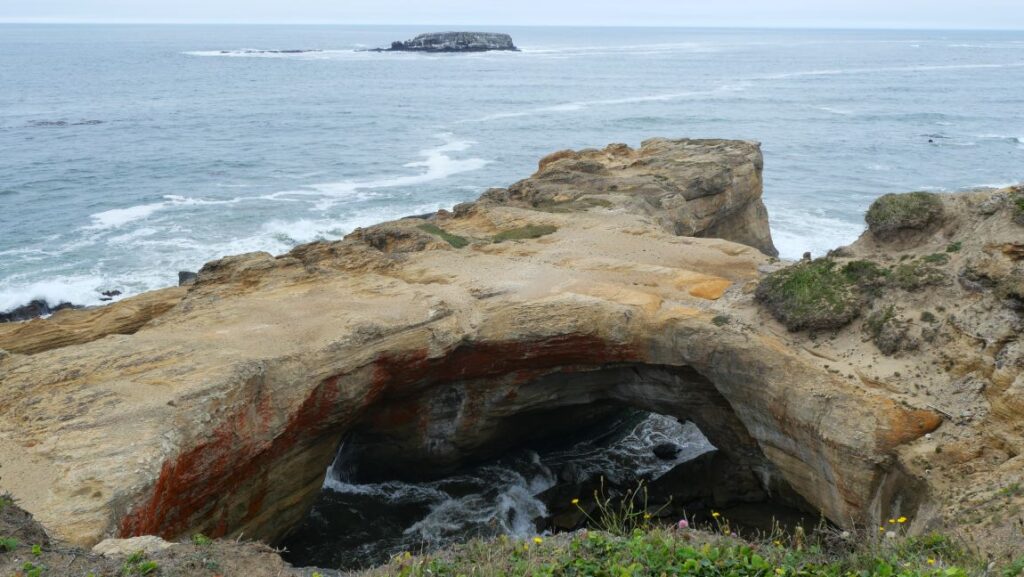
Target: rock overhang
column 222, row 414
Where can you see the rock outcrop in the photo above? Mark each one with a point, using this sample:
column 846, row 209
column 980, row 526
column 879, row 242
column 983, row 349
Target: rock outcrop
column 456, row 42
column 75, row 326
column 434, row 335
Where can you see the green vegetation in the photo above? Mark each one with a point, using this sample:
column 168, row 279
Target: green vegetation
column 720, row 320
column 1018, row 207
column 892, row 213
column 812, row 295
column 928, row 317
column 5, row 501
column 525, row 232
column 201, row 540
column 936, row 258
column 138, row 564
column 8, row 544
column 658, row 552
column 31, row 570
column 954, row 246
column 919, row 273
column 452, row 239
column 37, row 550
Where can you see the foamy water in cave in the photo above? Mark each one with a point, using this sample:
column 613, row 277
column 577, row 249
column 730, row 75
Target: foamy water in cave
column 357, row 524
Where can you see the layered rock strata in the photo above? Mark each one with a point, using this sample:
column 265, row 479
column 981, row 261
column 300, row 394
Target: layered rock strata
column 222, row 414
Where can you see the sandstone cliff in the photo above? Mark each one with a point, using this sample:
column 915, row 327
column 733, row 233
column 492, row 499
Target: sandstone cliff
column 582, row 284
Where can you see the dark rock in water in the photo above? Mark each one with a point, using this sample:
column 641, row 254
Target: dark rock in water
column 36, row 308
column 666, row 451
column 109, row 295
column 455, row 42
column 186, row 278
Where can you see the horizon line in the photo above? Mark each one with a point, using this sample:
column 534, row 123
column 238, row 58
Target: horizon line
column 214, row 22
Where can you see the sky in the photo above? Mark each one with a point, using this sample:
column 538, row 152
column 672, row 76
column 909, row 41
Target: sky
column 1000, row 14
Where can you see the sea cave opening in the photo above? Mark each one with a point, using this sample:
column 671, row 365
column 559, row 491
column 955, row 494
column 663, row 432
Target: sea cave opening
column 486, row 458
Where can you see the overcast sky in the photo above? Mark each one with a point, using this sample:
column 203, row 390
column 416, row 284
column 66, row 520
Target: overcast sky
column 769, row 13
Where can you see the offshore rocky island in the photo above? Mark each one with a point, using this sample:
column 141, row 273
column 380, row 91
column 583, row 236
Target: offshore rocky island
column 882, row 382
column 454, row 42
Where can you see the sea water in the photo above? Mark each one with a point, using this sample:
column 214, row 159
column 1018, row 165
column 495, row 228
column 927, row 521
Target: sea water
column 130, row 152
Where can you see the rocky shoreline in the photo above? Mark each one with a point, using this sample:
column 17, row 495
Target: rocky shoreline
column 886, row 379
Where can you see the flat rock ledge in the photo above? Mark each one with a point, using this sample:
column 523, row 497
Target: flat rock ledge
column 619, row 274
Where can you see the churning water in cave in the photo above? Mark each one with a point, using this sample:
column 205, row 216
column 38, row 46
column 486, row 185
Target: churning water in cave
column 356, row 523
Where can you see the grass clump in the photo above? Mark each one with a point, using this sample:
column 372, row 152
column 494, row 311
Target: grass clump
column 8, row 544
column 811, row 295
column 954, row 246
column 525, row 232
column 138, row 565
column 452, row 239
column 720, row 320
column 892, row 213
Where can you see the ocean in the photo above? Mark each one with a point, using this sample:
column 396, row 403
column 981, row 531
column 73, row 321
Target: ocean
column 130, row 152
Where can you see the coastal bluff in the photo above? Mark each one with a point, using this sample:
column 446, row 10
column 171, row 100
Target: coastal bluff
column 616, row 275
column 455, row 42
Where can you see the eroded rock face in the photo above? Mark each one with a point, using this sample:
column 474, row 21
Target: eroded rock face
column 706, row 188
column 222, row 414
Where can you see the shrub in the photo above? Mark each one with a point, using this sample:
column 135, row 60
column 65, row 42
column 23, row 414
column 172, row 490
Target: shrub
column 452, row 239
column 892, row 213
column 1018, row 208
column 201, row 540
column 525, row 232
column 954, row 246
column 928, row 317
column 720, row 320
column 917, row 274
column 810, row 295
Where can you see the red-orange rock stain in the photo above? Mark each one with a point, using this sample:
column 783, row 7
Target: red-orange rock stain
column 194, row 488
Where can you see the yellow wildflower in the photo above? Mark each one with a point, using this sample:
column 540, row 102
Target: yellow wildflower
column 575, row 501
column 901, row 520
column 647, row 515
column 931, row 561
column 716, row 514
column 538, row 540
column 891, row 521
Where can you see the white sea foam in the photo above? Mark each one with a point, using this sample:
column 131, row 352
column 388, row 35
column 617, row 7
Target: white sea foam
column 797, row 230
column 923, row 68
column 437, row 164
column 122, row 216
column 119, row 217
column 81, row 290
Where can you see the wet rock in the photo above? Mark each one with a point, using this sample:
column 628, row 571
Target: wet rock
column 666, row 451
column 36, row 308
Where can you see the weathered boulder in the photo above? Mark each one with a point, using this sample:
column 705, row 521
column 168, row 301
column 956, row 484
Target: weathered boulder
column 222, row 414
